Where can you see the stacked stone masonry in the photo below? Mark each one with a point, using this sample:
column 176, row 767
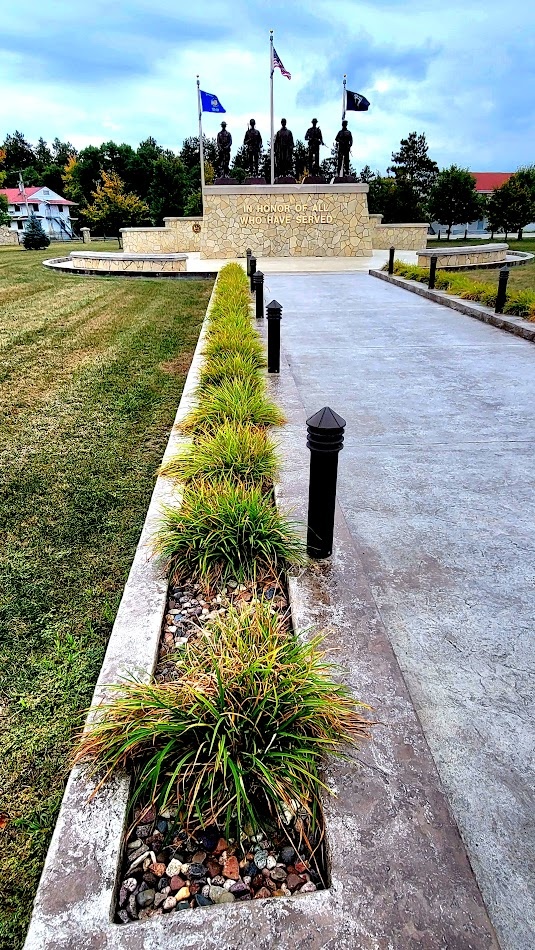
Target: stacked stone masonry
column 137, row 263
column 179, row 234
column 8, row 236
column 291, row 221
column 461, row 256
column 404, row 237
column 278, row 221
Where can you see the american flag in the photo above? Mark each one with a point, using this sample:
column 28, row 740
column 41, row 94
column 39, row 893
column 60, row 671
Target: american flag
column 277, row 64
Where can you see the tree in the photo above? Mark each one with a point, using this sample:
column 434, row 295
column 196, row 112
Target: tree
column 395, row 200
column 169, row 188
column 4, row 216
column 43, row 155
column 497, row 212
column 19, row 153
column 518, row 203
column 82, row 174
column 413, row 167
column 366, row 175
column 112, row 209
column 34, row 238
column 300, row 158
column 2, row 168
column 453, row 198
column 61, row 152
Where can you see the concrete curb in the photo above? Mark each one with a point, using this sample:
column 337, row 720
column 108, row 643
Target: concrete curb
column 515, row 325
column 399, row 871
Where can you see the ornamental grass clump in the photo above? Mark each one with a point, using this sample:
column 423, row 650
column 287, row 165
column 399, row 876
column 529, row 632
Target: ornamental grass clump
column 239, row 401
column 234, row 452
column 226, row 530
column 233, row 339
column 228, row 365
column 238, row 736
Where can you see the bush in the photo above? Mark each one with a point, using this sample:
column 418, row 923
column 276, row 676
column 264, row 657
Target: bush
column 234, row 452
column 34, row 238
column 241, row 731
column 521, row 303
column 226, row 530
column 241, row 401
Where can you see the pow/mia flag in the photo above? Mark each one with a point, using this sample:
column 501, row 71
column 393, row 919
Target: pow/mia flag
column 355, row 102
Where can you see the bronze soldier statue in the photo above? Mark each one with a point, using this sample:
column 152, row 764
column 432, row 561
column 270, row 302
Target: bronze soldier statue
column 314, row 139
column 284, row 151
column 344, row 140
column 224, row 142
column 253, row 144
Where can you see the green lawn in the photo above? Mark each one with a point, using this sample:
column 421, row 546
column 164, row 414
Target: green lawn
column 520, row 278
column 91, row 375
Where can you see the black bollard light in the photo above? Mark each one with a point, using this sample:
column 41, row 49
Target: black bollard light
column 252, row 271
column 325, row 439
column 439, row 238
column 258, row 281
column 502, row 289
column 248, row 257
column 391, row 260
column 465, row 233
column 274, row 317
column 432, row 272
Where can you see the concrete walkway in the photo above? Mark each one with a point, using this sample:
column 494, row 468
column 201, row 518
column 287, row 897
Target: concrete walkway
column 437, row 485
column 305, row 265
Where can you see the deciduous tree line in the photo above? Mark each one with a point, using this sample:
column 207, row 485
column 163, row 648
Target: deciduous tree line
column 119, row 186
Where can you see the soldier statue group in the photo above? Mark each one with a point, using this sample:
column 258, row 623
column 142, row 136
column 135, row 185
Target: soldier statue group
column 283, row 147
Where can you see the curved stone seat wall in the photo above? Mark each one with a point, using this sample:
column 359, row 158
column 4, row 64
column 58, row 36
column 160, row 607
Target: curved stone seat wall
column 119, row 262
column 464, row 256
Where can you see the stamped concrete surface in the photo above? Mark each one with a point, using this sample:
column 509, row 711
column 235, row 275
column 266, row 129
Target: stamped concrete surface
column 436, row 482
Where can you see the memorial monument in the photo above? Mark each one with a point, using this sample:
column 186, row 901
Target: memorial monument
column 284, row 150
column 314, row 138
column 253, row 145
column 344, row 141
column 224, row 144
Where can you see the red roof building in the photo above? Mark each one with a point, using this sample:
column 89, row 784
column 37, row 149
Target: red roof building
column 52, row 210
column 486, row 182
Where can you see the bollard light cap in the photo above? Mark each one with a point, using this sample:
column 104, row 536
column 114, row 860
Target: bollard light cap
column 274, row 305
column 326, row 418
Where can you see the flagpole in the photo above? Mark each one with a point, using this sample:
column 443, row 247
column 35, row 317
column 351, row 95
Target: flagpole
column 344, row 98
column 271, row 71
column 201, row 149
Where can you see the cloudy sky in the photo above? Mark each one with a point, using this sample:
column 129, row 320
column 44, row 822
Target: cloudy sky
column 461, row 71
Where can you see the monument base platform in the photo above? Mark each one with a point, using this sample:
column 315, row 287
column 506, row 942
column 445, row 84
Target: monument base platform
column 344, row 180
column 225, row 180
column 255, row 181
column 286, row 180
column 315, row 180
column 278, row 221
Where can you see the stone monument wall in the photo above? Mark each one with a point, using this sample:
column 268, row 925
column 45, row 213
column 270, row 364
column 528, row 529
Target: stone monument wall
column 404, row 237
column 187, row 232
column 286, row 221
column 8, row 236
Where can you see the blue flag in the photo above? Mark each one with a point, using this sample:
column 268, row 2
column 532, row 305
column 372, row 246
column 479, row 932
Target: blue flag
column 210, row 103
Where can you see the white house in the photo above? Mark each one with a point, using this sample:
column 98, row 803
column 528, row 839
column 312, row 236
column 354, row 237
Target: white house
column 52, row 210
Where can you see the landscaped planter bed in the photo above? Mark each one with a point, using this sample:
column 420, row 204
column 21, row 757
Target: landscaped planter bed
column 164, row 869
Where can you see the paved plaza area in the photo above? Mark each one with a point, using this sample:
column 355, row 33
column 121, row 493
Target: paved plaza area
column 436, row 482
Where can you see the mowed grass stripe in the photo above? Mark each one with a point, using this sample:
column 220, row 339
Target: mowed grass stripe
column 77, row 470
